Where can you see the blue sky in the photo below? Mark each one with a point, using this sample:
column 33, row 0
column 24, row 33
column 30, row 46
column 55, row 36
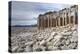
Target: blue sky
column 26, row 13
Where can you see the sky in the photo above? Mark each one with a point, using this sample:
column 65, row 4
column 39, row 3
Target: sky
column 26, row 13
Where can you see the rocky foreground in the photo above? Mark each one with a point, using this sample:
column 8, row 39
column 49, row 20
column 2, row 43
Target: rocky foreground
column 59, row 38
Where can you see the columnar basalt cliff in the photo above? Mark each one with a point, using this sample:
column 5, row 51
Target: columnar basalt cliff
column 58, row 18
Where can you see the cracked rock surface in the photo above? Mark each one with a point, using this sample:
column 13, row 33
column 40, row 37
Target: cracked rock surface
column 30, row 40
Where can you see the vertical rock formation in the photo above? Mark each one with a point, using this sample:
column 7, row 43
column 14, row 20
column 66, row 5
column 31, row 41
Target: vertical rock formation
column 58, row 18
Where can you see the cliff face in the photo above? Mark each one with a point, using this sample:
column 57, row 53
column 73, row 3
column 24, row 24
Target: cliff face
column 58, row 18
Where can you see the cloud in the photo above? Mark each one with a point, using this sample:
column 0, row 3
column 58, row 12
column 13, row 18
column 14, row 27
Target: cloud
column 27, row 12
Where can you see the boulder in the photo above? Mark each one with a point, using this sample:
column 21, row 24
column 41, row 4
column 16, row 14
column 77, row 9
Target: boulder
column 28, row 49
column 74, row 28
column 75, row 33
column 29, row 43
column 64, row 47
column 49, row 43
column 55, row 48
column 58, row 37
column 42, row 42
column 74, row 39
column 66, row 33
column 72, row 45
column 53, row 33
column 50, row 48
column 20, row 49
column 14, row 49
column 50, row 38
column 67, row 42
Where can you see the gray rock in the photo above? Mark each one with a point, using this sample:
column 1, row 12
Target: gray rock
column 58, row 37
column 28, row 49
column 20, row 49
column 50, row 48
column 67, row 42
column 51, row 37
column 14, row 49
column 38, row 48
column 29, row 43
column 74, row 39
column 64, row 47
column 72, row 45
column 53, row 33
column 55, row 48
column 75, row 33
column 42, row 42
column 43, row 48
column 49, row 43
column 66, row 33
column 40, row 38
column 74, row 28
column 65, row 37
column 36, row 45
column 65, row 30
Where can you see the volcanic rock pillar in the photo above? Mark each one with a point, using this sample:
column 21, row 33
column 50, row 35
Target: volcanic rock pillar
column 56, row 22
column 69, row 20
column 59, row 21
column 48, row 22
column 63, row 21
